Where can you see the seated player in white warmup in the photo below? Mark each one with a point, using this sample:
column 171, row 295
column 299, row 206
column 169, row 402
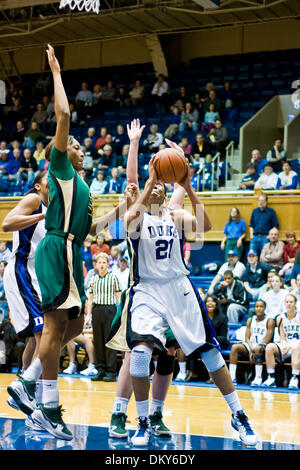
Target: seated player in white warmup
column 164, row 296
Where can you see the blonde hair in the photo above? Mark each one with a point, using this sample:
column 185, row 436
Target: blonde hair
column 104, row 256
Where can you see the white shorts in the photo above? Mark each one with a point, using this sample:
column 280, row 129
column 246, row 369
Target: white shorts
column 23, row 297
column 173, row 304
column 283, row 357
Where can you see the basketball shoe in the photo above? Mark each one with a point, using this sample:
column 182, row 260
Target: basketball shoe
column 270, row 382
column 142, row 435
column 256, row 382
column 240, row 423
column 71, row 369
column 23, row 393
column 50, row 419
column 90, row 370
column 293, row 382
column 117, row 426
column 158, row 426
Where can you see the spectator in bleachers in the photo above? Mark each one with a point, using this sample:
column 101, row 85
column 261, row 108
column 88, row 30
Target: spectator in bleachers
column 289, row 346
column 272, row 252
column 73, row 115
column 258, row 160
column 160, row 93
column 88, row 160
column 267, row 286
column 296, row 290
column 114, row 183
column 10, row 344
column 205, row 95
column 122, row 161
column 232, row 298
column 254, row 276
column 234, row 233
column 182, row 98
column 28, row 168
column 268, row 179
column 213, row 99
column 275, row 297
column 259, row 333
column 86, row 252
column 218, row 319
column 96, row 99
column 122, row 273
column 15, row 112
column 249, row 180
column 3, row 164
column 3, row 147
column 19, row 132
column 277, row 155
column 99, row 185
column 33, row 135
column 233, row 264
column 174, row 123
column 39, row 153
column 189, row 119
column 296, row 270
column 153, row 140
column 100, row 142
column 109, row 93
column 219, row 137
column 194, row 178
column 289, row 252
column 4, row 251
column 90, row 150
column 107, row 160
column 50, row 109
column 84, row 101
column 288, row 178
column 120, row 139
column 186, row 146
column 114, row 258
column 14, row 165
column 91, row 133
column 122, row 97
column 210, row 118
column 227, row 94
column 100, row 246
column 40, row 116
column 201, row 150
column 137, row 93
column 262, row 220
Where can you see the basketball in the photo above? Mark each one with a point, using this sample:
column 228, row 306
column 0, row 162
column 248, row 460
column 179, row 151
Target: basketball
column 170, row 165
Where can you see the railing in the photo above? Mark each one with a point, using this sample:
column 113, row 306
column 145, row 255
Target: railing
column 201, row 178
column 215, row 159
column 229, row 159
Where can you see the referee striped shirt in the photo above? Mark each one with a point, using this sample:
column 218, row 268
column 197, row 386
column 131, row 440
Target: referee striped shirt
column 104, row 288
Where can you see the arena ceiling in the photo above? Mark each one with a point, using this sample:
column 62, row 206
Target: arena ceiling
column 32, row 23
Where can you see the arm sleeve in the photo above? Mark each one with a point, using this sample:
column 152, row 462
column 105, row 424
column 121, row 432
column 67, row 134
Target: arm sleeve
column 60, row 165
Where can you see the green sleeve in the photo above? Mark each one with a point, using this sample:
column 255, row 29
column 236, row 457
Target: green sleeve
column 60, row 165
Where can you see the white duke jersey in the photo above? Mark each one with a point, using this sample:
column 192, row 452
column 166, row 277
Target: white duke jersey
column 258, row 330
column 158, row 249
column 291, row 328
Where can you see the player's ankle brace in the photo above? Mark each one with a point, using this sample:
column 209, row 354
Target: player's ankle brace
column 140, row 361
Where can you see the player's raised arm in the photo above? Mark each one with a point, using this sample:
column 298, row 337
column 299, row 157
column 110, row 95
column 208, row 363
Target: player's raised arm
column 61, row 105
column 134, row 132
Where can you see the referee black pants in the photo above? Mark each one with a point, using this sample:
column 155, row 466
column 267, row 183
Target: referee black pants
column 102, row 317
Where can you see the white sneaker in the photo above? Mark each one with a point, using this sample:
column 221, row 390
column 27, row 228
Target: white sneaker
column 23, row 393
column 241, row 424
column 293, row 382
column 270, row 382
column 71, row 369
column 256, row 382
column 90, row 370
column 180, row 377
column 31, row 424
column 11, row 402
column 50, row 419
column 142, row 435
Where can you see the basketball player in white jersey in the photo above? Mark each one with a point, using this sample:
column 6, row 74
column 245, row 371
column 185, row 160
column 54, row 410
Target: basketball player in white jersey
column 163, row 374
column 164, row 296
column 289, row 346
column 259, row 333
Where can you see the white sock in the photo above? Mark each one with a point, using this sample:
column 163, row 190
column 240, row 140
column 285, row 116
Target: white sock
column 295, row 371
column 39, row 391
column 233, row 401
column 232, row 370
column 50, row 393
column 33, row 372
column 258, row 370
column 142, row 408
column 120, row 405
column 182, row 367
column 271, row 371
column 156, row 405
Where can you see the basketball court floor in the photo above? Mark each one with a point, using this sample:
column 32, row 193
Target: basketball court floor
column 195, row 412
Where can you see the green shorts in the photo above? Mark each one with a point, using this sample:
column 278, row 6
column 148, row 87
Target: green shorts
column 58, row 266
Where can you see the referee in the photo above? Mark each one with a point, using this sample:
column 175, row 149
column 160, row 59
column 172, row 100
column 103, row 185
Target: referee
column 103, row 290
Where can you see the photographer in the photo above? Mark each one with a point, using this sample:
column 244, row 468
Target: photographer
column 232, row 298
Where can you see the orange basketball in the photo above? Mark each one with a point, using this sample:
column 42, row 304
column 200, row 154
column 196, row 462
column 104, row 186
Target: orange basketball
column 170, row 165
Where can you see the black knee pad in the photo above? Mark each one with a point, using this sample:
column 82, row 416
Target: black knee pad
column 259, row 357
column 165, row 364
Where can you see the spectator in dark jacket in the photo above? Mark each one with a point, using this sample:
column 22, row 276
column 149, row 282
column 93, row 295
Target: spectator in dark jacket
column 28, row 167
column 10, row 346
column 219, row 320
column 255, row 275
column 232, row 296
column 262, row 220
